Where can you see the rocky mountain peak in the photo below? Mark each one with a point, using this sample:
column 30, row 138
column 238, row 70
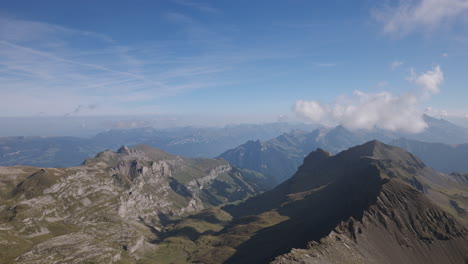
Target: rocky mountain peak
column 124, row 150
column 369, row 196
column 317, row 156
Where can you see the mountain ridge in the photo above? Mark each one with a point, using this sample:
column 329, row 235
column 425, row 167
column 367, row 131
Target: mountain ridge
column 364, row 185
column 359, row 198
column 66, row 151
column 113, row 206
column 289, row 149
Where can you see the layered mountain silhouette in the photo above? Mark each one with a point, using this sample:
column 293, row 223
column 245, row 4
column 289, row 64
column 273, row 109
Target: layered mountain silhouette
column 442, row 157
column 61, row 151
column 210, row 142
column 280, row 157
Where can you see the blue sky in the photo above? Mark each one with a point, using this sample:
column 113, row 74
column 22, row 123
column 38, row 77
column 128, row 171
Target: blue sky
column 239, row 61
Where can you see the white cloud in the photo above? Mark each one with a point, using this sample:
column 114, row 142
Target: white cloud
column 395, row 64
column 367, row 111
column 382, row 110
column 311, row 110
column 427, row 15
column 430, row 80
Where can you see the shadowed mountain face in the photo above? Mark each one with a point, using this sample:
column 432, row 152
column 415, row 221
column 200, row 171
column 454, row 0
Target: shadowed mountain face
column 112, row 207
column 370, row 204
column 400, row 226
column 280, row 157
column 372, row 185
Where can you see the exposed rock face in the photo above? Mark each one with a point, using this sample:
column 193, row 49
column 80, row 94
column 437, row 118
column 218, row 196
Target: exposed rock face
column 372, row 203
column 403, row 226
column 111, row 207
column 399, row 222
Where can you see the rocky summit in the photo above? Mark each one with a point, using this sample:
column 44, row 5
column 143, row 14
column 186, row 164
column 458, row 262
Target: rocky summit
column 113, row 207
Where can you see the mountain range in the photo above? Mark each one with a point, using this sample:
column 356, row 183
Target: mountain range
column 372, row 203
column 280, row 157
column 442, row 157
column 298, row 140
column 186, row 141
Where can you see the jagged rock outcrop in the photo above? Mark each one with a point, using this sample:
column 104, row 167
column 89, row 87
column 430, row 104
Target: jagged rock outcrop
column 372, row 203
column 402, row 226
column 112, row 207
column 400, row 219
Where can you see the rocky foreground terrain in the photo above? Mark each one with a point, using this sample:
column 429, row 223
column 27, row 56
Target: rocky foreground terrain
column 372, row 203
column 112, row 207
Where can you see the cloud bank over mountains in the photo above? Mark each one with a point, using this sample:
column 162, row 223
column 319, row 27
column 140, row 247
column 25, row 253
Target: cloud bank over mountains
column 382, row 110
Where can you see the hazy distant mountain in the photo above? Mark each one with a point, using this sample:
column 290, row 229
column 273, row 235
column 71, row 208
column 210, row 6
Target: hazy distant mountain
column 442, row 157
column 280, row 157
column 186, row 141
column 46, row 151
column 370, row 204
column 198, row 142
column 112, row 207
column 440, row 131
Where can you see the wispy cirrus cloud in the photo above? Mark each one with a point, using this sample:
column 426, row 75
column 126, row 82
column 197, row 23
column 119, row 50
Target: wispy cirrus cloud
column 426, row 15
column 26, row 31
column 45, row 68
